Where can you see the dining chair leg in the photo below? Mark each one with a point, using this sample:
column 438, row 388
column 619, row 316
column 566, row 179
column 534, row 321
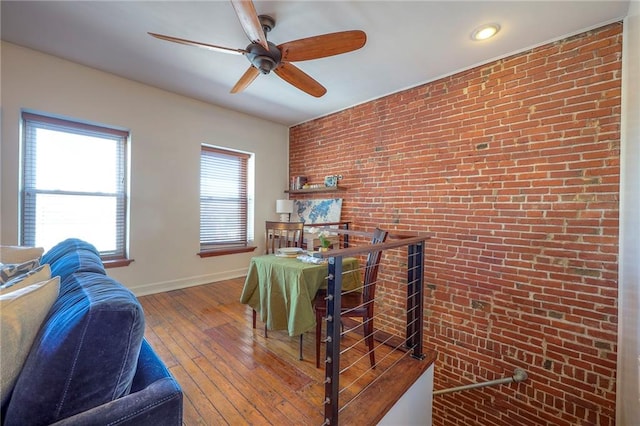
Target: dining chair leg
column 368, row 332
column 255, row 314
column 301, row 334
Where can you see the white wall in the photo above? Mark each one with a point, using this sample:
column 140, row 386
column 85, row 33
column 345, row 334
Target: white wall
column 628, row 384
column 415, row 406
column 166, row 133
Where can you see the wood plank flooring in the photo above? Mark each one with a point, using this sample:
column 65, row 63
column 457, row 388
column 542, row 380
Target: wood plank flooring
column 231, row 374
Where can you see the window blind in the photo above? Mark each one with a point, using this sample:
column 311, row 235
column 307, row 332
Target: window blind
column 74, row 184
column 224, row 199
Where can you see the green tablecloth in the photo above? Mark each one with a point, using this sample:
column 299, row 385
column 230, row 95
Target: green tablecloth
column 281, row 290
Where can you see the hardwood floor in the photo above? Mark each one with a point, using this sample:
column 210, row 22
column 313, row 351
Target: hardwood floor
column 230, row 374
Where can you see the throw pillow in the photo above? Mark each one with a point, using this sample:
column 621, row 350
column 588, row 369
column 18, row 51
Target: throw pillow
column 22, row 312
column 41, row 273
column 19, row 254
column 10, row 270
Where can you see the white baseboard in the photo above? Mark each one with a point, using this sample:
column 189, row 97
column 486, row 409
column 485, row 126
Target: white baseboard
column 162, row 286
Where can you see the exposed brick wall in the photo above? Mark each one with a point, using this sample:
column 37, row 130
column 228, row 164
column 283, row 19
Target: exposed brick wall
column 514, row 168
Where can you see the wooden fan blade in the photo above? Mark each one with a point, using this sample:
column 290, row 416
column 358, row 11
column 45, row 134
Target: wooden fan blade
column 246, row 79
column 322, row 46
column 248, row 17
column 198, row 44
column 298, row 78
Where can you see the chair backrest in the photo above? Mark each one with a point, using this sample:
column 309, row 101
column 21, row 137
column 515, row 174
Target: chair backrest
column 283, row 234
column 371, row 269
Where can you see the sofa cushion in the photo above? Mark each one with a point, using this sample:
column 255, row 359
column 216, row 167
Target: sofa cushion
column 10, row 270
column 85, row 354
column 41, row 273
column 19, row 254
column 22, row 312
column 73, row 255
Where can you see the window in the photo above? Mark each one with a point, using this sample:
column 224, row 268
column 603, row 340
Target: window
column 226, row 206
column 74, row 184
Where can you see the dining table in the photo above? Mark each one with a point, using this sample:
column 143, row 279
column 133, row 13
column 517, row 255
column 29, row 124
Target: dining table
column 281, row 289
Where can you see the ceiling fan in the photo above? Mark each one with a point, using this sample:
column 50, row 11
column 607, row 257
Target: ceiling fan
column 265, row 56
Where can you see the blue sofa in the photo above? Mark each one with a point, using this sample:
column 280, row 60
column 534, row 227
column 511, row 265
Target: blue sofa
column 90, row 363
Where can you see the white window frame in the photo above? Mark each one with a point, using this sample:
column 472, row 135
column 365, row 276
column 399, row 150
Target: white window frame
column 218, row 165
column 38, row 225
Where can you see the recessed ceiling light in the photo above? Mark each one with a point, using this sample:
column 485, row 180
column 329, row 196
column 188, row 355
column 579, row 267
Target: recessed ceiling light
column 485, row 31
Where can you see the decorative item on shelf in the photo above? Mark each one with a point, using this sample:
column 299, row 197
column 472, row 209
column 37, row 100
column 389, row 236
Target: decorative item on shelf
column 298, row 182
column 284, row 208
column 332, row 180
column 313, row 186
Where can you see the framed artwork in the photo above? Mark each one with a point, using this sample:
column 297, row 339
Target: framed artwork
column 318, row 211
column 331, row 180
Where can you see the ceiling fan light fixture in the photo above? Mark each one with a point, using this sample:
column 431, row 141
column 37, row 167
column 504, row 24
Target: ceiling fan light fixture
column 485, row 32
column 264, row 60
column 265, row 64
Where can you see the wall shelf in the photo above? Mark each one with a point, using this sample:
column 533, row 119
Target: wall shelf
column 314, row 190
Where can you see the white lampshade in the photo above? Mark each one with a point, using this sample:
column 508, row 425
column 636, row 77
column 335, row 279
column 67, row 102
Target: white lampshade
column 284, row 206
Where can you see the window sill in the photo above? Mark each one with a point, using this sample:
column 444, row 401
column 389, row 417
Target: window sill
column 116, row 263
column 213, row 253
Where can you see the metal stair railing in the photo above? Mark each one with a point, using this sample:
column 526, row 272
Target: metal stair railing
column 412, row 341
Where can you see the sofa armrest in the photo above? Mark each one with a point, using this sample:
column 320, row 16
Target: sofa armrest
column 158, row 404
column 155, row 398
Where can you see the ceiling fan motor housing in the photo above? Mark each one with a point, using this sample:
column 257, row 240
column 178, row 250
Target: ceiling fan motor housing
column 263, row 59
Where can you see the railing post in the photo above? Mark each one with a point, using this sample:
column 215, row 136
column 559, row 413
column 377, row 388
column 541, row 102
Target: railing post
column 346, row 236
column 415, row 304
column 332, row 366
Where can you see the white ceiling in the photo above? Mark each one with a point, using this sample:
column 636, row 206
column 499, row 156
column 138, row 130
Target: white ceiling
column 408, row 43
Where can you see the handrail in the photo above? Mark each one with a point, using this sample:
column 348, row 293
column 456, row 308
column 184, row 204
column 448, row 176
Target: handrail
column 519, row 375
column 365, row 234
column 407, row 241
column 315, row 225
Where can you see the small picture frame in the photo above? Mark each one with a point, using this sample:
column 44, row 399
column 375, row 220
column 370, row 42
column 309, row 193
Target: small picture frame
column 331, row 181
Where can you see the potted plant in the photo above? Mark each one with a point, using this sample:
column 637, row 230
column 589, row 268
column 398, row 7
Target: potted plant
column 323, row 236
column 325, row 243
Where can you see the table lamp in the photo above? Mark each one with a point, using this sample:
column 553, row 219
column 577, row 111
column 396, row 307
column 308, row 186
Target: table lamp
column 284, row 208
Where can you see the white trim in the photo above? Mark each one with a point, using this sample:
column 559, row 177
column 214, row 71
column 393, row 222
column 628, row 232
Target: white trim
column 162, row 286
column 628, row 362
